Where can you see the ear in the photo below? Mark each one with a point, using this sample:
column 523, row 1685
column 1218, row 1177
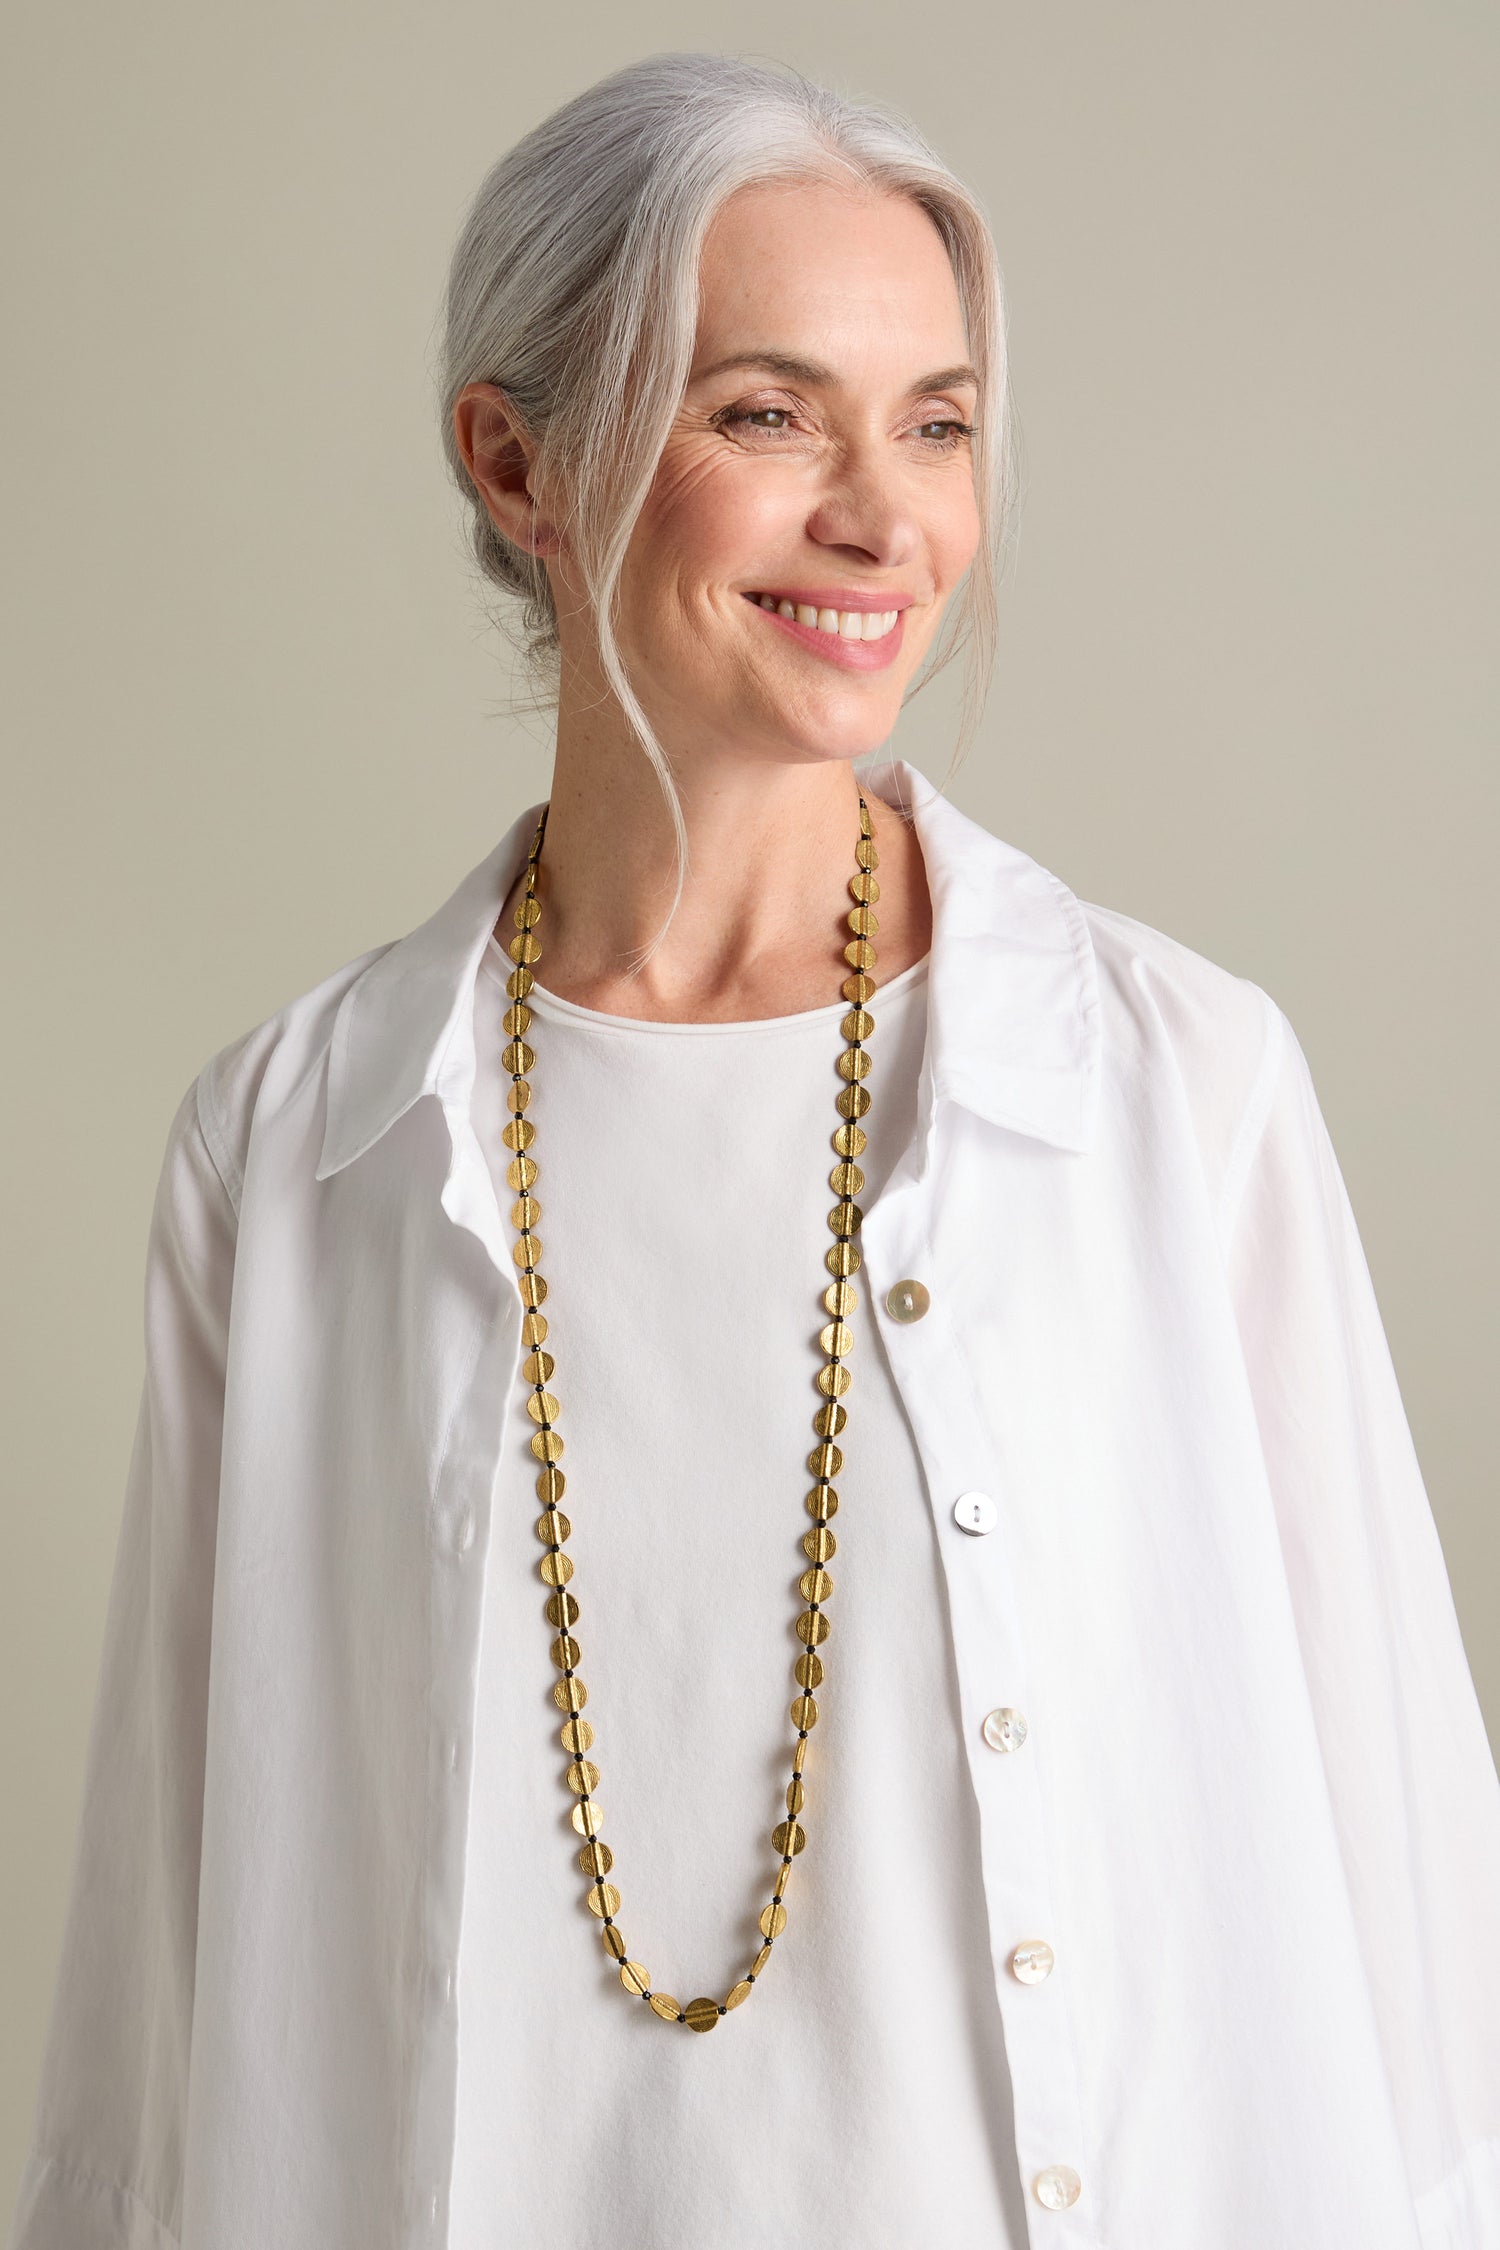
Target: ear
column 500, row 455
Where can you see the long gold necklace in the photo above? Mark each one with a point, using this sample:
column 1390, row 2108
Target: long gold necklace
column 825, row 1461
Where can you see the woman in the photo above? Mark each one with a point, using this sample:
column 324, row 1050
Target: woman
column 1086, row 1831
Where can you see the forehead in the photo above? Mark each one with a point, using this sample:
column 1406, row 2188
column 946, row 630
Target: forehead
column 838, row 273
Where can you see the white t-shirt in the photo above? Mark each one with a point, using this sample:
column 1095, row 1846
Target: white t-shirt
column 861, row 2093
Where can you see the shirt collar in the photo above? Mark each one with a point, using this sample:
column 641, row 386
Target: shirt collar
column 1012, row 991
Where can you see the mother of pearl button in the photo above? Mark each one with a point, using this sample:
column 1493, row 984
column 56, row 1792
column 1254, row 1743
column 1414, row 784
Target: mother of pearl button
column 1057, row 2187
column 1004, row 1729
column 975, row 1512
column 1033, row 1960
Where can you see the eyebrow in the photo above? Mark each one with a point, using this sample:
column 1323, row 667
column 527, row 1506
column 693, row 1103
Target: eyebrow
column 811, row 372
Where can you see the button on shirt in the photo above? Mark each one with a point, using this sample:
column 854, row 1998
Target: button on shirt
column 683, row 1183
column 1227, row 1876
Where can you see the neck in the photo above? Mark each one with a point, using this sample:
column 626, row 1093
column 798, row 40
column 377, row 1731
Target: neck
column 759, row 929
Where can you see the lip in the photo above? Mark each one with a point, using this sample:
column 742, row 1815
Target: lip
column 850, row 656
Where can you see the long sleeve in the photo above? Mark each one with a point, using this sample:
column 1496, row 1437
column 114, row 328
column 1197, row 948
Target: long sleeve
column 104, row 2167
column 1409, row 1769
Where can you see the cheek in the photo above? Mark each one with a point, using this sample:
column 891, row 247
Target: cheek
column 709, row 514
column 955, row 531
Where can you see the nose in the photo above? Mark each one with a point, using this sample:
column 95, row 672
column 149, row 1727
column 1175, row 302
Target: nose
column 863, row 508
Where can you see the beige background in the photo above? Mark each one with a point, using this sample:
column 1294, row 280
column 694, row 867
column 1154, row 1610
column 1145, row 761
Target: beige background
column 256, row 724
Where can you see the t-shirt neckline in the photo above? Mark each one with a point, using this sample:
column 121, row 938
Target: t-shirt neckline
column 497, row 963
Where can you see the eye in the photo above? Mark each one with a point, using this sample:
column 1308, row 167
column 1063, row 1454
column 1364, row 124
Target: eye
column 954, row 434
column 735, row 417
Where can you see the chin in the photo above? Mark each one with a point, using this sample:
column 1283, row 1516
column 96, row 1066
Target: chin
column 844, row 727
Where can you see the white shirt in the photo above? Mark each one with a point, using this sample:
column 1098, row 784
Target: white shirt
column 1254, row 1816
column 684, row 1190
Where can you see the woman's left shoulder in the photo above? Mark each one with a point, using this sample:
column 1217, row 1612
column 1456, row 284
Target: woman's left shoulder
column 1173, row 1019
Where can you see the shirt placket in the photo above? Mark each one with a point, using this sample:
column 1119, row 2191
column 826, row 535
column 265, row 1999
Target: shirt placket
column 1003, row 1727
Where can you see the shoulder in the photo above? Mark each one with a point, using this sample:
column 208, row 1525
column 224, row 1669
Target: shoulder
column 273, row 1066
column 1209, row 1016
column 1179, row 1028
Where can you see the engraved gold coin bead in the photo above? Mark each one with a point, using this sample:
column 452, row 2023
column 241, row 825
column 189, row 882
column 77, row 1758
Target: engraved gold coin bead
column 835, row 1337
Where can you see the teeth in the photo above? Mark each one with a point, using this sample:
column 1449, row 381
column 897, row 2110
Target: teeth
column 849, row 624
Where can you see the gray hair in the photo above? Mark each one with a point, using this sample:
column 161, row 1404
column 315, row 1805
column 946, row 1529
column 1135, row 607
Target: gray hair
column 574, row 287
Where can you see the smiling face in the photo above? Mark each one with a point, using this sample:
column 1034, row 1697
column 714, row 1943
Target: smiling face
column 814, row 508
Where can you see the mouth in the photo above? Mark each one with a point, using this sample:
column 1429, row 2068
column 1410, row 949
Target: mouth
column 860, row 639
